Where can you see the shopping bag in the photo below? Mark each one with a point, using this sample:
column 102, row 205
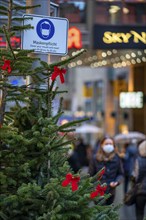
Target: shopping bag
column 130, row 196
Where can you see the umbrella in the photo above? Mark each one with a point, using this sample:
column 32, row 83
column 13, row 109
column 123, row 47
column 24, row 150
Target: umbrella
column 128, row 137
column 88, row 128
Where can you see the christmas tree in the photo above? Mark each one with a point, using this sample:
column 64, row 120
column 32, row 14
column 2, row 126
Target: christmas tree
column 36, row 179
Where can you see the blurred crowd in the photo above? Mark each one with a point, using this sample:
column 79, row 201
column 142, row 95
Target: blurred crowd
column 126, row 164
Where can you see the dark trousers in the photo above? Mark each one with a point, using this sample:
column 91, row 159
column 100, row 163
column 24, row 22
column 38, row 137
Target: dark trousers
column 140, row 205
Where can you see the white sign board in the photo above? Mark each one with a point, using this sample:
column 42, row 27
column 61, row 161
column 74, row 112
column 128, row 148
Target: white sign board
column 49, row 34
column 131, row 99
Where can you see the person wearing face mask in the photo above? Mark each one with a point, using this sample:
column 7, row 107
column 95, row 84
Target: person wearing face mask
column 106, row 157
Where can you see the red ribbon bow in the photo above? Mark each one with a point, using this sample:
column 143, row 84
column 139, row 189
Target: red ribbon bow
column 100, row 190
column 58, row 72
column 70, row 179
column 7, row 66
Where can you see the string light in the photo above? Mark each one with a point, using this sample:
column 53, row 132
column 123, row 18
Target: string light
column 123, row 60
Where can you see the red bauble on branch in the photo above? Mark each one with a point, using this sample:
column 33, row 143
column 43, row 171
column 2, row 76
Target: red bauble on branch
column 70, row 179
column 7, row 66
column 58, row 72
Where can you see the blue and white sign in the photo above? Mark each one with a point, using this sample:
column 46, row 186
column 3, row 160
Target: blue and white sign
column 49, row 34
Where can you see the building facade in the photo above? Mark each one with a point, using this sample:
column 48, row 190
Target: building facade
column 115, row 38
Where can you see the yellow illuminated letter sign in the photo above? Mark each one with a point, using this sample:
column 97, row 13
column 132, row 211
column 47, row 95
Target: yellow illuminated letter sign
column 110, row 37
column 74, row 38
column 138, row 37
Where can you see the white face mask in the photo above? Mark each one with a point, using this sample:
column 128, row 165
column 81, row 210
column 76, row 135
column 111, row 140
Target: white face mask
column 108, row 148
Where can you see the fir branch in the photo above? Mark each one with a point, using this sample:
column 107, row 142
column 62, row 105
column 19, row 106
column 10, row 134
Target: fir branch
column 20, row 19
column 51, row 86
column 8, row 41
column 5, row 53
column 25, row 53
column 20, row 28
column 25, row 59
column 11, row 34
column 3, row 216
column 17, row 8
column 60, row 139
column 3, row 13
column 44, row 64
column 3, row 104
column 56, row 117
column 73, row 123
column 68, row 130
column 3, row 8
column 55, row 92
column 61, row 63
column 61, row 144
column 49, row 99
column 1, row 31
column 60, row 92
column 60, row 105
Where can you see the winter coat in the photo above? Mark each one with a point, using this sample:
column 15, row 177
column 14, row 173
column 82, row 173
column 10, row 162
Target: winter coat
column 140, row 169
column 81, row 151
column 141, row 176
column 113, row 171
column 129, row 159
column 74, row 162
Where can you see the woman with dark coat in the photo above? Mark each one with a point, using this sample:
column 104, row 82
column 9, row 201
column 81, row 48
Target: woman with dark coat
column 106, row 157
column 140, row 175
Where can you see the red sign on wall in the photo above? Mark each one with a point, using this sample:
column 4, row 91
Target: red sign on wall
column 15, row 41
column 74, row 38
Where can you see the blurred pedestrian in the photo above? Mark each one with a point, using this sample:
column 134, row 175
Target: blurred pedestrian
column 81, row 150
column 89, row 152
column 107, row 157
column 140, row 177
column 128, row 155
column 96, row 146
column 74, row 160
column 132, row 150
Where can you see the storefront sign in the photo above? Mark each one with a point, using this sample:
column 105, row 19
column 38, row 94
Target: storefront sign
column 131, row 100
column 74, row 38
column 119, row 37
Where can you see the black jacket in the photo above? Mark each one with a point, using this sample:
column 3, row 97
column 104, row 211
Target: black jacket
column 141, row 178
column 113, row 171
